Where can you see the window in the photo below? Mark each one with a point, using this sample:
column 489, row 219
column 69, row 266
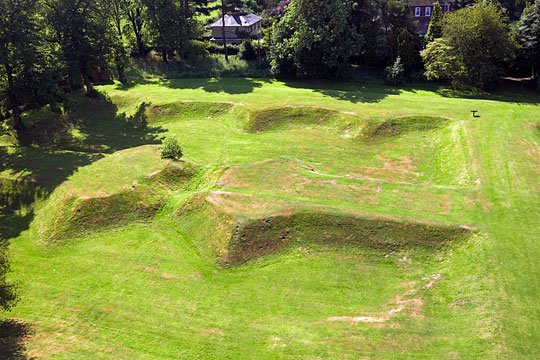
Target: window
column 417, row 11
column 428, row 11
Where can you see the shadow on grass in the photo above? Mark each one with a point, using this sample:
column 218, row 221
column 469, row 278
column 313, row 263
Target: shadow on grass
column 369, row 92
column 13, row 335
column 508, row 91
column 233, row 86
column 92, row 129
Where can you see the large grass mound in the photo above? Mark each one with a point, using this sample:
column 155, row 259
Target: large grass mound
column 130, row 185
column 293, row 116
column 228, row 231
column 403, row 125
column 183, row 110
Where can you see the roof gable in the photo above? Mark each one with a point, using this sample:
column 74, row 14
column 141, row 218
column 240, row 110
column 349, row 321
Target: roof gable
column 237, row 20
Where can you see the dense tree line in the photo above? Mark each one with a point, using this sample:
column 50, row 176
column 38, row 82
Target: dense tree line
column 49, row 47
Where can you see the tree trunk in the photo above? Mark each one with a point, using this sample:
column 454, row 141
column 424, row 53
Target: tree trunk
column 87, row 83
column 186, row 8
column 140, row 45
column 223, row 30
column 121, row 75
column 17, row 123
column 164, row 55
column 137, row 26
column 13, row 102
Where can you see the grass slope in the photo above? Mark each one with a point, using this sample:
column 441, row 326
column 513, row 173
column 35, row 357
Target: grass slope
column 152, row 289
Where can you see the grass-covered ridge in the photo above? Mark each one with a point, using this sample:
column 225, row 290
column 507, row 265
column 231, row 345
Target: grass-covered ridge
column 337, row 285
column 301, row 116
column 404, row 125
column 130, row 185
column 238, row 236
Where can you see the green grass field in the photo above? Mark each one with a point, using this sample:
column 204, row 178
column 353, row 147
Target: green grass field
column 306, row 220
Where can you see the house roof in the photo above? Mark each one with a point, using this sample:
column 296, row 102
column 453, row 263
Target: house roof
column 237, row 20
column 414, row 3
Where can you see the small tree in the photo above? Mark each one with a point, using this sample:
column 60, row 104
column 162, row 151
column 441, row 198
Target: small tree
column 395, row 73
column 436, row 23
column 171, row 149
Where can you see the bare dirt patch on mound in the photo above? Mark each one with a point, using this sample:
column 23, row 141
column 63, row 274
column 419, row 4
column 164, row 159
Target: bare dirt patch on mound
column 296, row 178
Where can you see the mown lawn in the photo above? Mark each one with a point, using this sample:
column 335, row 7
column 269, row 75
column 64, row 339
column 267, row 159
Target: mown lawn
column 150, row 290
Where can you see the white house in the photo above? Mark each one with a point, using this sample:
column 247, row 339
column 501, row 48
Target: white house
column 237, row 28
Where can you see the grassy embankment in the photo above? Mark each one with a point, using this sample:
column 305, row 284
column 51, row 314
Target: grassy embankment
column 308, row 220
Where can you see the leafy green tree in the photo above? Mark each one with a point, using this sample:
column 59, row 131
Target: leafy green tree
column 393, row 16
column 172, row 32
column 406, row 50
column 436, row 24
column 118, row 52
column 314, row 39
column 513, row 8
column 134, row 12
column 247, row 51
column 527, row 31
column 26, row 79
column 166, row 19
column 379, row 22
column 477, row 38
column 193, row 7
column 441, row 61
column 84, row 36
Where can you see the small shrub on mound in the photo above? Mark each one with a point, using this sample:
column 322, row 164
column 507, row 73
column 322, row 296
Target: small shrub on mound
column 171, row 149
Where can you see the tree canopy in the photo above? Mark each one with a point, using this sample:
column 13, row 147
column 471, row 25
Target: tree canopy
column 527, row 32
column 436, row 24
column 26, row 80
column 477, row 40
column 314, row 39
